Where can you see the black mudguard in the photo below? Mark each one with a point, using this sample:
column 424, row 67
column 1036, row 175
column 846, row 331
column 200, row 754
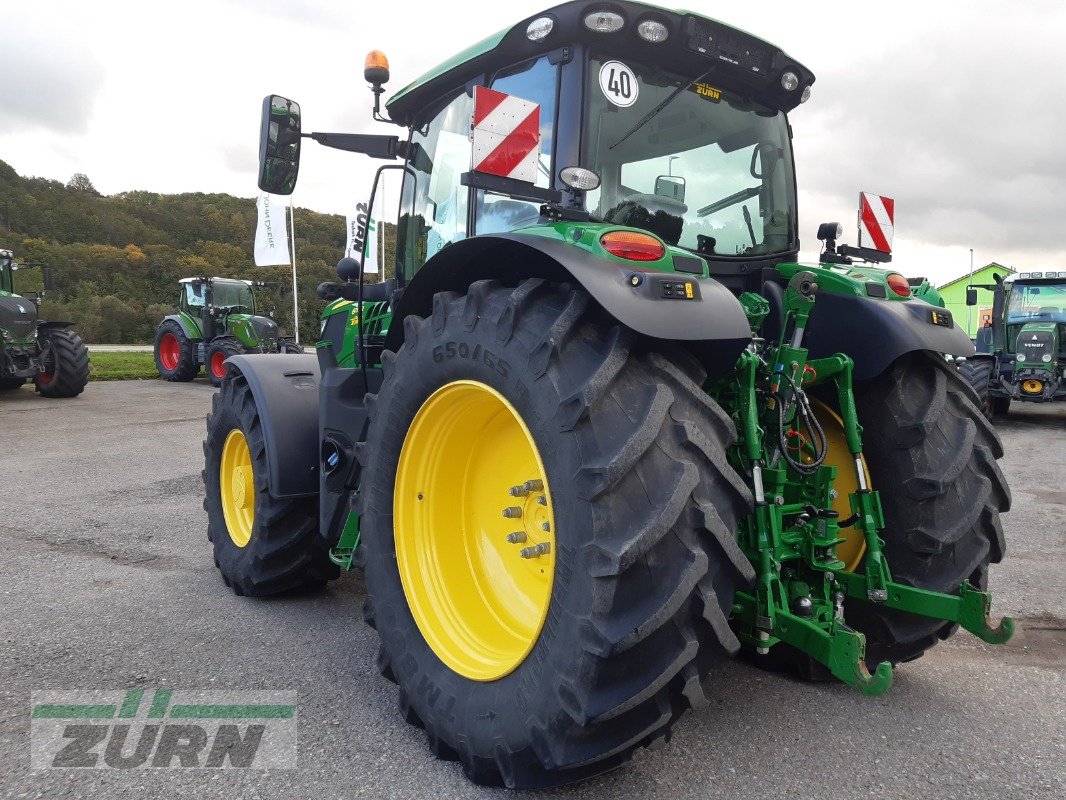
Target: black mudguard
column 874, row 333
column 286, row 389
column 715, row 323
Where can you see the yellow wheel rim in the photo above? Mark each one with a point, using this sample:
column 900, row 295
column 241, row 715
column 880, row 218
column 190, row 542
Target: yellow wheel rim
column 474, row 530
column 1032, row 386
column 237, row 484
column 852, row 549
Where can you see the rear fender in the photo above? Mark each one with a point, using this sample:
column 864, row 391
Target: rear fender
column 713, row 325
column 285, row 388
column 874, row 333
column 188, row 325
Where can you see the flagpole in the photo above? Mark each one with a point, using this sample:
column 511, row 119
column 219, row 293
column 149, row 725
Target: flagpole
column 295, row 297
column 969, row 309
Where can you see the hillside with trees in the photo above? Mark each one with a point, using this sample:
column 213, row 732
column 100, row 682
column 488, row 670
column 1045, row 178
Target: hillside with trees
column 117, row 259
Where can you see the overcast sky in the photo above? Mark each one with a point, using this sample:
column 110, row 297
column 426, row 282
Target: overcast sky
column 956, row 109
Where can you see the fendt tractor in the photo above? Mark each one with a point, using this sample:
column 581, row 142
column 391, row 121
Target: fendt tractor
column 51, row 354
column 1027, row 358
column 602, row 429
column 216, row 319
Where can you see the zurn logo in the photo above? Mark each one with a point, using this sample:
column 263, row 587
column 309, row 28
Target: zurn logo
column 162, row 728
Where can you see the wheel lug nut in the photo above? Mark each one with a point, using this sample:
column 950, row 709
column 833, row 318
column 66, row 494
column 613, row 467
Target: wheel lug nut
column 536, row 550
column 517, row 537
column 512, row 512
column 533, row 485
column 544, row 526
column 542, row 500
column 518, row 491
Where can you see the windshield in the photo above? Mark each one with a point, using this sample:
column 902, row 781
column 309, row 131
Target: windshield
column 710, row 170
column 1038, row 303
column 233, row 294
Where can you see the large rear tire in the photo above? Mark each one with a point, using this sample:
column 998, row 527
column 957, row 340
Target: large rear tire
column 978, row 373
column 175, row 353
column 932, row 455
column 65, row 364
column 642, row 510
column 263, row 545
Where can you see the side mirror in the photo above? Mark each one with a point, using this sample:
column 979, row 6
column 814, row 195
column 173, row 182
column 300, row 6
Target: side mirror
column 48, row 279
column 279, row 145
column 670, row 186
column 971, row 297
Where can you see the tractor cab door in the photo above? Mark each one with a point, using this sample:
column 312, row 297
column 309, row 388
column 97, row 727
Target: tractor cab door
column 192, row 300
column 435, row 208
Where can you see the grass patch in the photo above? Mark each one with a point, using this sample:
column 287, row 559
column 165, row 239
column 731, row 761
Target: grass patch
column 121, row 366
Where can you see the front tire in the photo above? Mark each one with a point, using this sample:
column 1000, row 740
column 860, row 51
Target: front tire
column 65, row 364
column 10, row 382
column 217, row 352
column 262, row 545
column 643, row 507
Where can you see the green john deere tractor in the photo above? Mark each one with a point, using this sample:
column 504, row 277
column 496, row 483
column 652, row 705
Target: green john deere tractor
column 602, row 429
column 216, row 319
column 1024, row 359
column 50, row 354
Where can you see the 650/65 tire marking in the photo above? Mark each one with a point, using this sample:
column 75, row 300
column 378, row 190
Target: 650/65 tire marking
column 478, row 353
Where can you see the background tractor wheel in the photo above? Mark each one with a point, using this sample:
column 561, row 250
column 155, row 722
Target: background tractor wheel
column 217, row 352
column 978, row 373
column 262, row 545
column 518, row 418
column 9, row 382
column 66, row 364
column 289, row 346
column 932, row 454
column 175, row 353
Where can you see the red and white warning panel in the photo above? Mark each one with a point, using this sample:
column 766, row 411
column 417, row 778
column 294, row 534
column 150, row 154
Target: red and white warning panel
column 877, row 216
column 506, row 135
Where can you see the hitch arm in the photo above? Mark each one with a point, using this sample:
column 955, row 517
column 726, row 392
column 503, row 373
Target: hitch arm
column 970, row 609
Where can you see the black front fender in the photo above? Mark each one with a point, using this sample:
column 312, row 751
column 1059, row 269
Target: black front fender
column 285, row 388
column 714, row 321
column 874, row 333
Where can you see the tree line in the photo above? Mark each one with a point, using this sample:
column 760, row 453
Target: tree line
column 117, row 259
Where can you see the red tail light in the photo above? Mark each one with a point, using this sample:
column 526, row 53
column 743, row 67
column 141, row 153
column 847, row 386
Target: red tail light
column 633, row 245
column 898, row 284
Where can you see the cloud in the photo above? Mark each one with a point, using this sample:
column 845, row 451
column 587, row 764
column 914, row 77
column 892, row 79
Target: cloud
column 51, row 79
column 953, row 128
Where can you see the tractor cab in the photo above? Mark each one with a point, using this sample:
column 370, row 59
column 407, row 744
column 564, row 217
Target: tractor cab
column 621, row 117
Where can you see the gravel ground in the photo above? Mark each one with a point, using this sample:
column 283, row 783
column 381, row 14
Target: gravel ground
column 106, row 581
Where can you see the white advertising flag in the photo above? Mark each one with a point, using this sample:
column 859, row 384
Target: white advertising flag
column 362, row 237
column 272, row 233
column 370, row 266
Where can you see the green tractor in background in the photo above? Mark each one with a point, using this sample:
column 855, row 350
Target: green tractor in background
column 602, row 430
column 1023, row 356
column 50, row 354
column 216, row 319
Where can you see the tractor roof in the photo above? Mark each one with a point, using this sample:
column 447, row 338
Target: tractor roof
column 216, row 279
column 695, row 45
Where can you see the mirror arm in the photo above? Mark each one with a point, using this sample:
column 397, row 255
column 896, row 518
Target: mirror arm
column 372, row 145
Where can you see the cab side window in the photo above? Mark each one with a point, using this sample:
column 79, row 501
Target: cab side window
column 434, row 204
column 536, row 81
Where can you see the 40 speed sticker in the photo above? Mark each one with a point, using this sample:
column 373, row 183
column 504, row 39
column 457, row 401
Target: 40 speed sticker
column 618, row 84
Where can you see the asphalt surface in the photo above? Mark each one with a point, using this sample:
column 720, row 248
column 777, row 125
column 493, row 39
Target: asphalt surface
column 107, row 581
